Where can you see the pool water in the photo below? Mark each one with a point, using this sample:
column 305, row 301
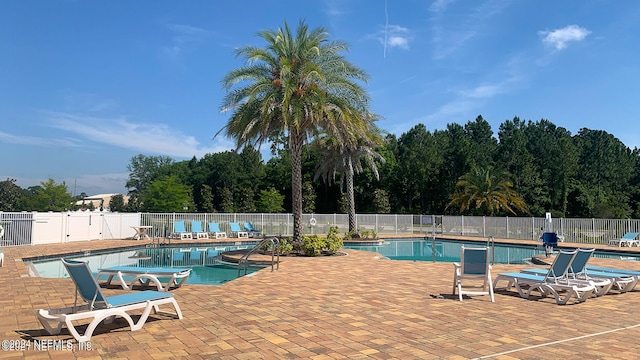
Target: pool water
column 206, row 267
column 449, row 251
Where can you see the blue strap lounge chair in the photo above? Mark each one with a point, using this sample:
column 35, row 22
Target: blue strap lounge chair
column 473, row 265
column 634, row 274
column 145, row 276
column 197, row 231
column 629, row 239
column 578, row 272
column 236, row 231
column 555, row 282
column 180, row 231
column 99, row 307
column 215, row 232
column 253, row 233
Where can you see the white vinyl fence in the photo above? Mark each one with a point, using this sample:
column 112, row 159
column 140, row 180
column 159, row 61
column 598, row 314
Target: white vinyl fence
column 32, row 228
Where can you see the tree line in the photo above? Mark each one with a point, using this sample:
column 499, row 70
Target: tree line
column 589, row 174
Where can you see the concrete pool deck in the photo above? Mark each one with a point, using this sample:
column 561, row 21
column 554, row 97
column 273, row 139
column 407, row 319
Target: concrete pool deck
column 356, row 307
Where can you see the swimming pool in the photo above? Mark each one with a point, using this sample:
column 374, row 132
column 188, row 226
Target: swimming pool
column 202, row 259
column 449, row 251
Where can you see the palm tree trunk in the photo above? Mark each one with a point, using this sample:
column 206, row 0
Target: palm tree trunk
column 350, row 198
column 296, row 187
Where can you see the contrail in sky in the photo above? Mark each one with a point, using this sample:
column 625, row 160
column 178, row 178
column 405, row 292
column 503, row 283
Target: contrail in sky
column 386, row 29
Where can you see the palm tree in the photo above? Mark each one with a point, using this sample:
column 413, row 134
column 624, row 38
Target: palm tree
column 345, row 161
column 482, row 189
column 297, row 86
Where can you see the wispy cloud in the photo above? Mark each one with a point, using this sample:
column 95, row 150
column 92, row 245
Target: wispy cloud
column 143, row 137
column 559, row 38
column 333, row 8
column 39, row 141
column 398, row 36
column 467, row 100
column 393, row 36
column 183, row 36
column 87, row 102
column 451, row 33
column 439, row 5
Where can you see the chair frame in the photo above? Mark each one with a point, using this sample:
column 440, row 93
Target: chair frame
column 145, row 276
column 197, row 231
column 100, row 307
column 180, row 232
column 253, row 233
column 555, row 282
column 577, row 273
column 236, row 231
column 626, row 240
column 216, row 232
column 472, row 271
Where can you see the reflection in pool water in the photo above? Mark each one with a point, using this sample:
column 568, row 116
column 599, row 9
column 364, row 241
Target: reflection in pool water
column 449, row 251
column 202, row 259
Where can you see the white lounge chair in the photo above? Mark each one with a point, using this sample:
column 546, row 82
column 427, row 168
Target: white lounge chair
column 253, row 232
column 578, row 273
column 236, row 231
column 629, row 239
column 473, row 265
column 100, row 307
column 555, row 282
column 1, row 258
column 197, row 231
column 180, row 231
column 214, row 230
column 635, row 275
column 145, row 276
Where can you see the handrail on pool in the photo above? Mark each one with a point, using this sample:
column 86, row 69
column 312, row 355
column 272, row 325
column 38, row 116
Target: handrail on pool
column 275, row 253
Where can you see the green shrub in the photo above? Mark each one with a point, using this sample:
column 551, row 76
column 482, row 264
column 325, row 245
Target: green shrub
column 351, row 235
column 312, row 245
column 364, row 234
column 283, row 247
column 333, row 242
column 374, row 234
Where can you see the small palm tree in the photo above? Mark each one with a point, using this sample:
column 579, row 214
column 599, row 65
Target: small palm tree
column 298, row 87
column 345, row 161
column 482, row 189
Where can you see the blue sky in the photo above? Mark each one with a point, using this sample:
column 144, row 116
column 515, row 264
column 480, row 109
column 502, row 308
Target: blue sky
column 87, row 85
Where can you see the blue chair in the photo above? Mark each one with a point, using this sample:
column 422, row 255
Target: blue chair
column 555, row 281
column 236, row 231
column 214, row 230
column 180, row 231
column 550, row 242
column 578, row 272
column 251, row 230
column 99, row 307
column 629, row 239
column 473, row 265
column 197, row 231
column 145, row 276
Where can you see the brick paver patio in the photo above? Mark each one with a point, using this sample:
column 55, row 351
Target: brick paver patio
column 343, row 307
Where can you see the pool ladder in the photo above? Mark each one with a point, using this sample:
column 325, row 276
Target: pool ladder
column 275, row 255
column 492, row 243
